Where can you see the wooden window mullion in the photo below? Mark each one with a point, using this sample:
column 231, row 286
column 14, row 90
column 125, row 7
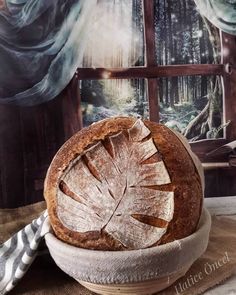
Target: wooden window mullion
column 150, row 72
column 228, row 49
column 150, row 59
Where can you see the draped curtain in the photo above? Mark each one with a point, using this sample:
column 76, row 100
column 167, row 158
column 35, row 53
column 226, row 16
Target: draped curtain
column 221, row 13
column 41, row 45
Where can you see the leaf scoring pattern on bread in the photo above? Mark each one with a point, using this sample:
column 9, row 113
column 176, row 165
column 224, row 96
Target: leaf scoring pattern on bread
column 111, row 189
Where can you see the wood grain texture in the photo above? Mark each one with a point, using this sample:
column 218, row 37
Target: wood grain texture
column 150, row 59
column 220, row 182
column 203, row 147
column 153, row 93
column 149, row 31
column 12, row 181
column 30, row 137
column 229, row 81
column 150, row 71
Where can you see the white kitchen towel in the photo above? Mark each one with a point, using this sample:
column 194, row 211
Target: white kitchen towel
column 18, row 253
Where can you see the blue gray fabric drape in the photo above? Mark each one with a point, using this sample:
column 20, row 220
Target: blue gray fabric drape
column 41, row 45
column 221, row 13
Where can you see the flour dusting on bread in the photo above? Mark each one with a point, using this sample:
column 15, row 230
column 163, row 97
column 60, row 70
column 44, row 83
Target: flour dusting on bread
column 113, row 200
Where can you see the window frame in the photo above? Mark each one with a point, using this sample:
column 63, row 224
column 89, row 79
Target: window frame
column 151, row 72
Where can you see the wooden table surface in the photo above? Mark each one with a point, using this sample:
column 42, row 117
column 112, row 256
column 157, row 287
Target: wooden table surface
column 225, row 206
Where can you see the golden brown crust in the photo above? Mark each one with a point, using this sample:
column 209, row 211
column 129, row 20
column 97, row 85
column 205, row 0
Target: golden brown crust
column 185, row 182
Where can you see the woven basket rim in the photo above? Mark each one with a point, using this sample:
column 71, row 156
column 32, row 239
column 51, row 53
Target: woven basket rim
column 108, row 267
column 51, row 238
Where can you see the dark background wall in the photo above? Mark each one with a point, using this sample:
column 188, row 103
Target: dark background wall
column 29, row 138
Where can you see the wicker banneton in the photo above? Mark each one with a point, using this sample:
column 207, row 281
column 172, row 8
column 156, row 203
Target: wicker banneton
column 139, row 272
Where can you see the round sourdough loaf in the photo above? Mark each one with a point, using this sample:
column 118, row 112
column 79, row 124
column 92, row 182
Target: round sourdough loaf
column 122, row 184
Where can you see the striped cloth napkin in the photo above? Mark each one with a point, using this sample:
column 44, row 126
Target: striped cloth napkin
column 18, row 253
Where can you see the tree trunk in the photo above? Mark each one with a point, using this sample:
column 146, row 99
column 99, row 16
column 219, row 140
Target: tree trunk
column 212, row 124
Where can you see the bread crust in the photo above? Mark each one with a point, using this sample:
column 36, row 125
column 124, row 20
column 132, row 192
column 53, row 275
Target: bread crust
column 185, row 182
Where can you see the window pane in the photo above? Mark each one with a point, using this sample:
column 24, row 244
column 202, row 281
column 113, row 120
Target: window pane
column 106, row 98
column 192, row 105
column 182, row 35
column 116, row 35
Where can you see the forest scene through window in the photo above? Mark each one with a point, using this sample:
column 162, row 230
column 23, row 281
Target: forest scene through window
column 191, row 105
column 106, row 98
